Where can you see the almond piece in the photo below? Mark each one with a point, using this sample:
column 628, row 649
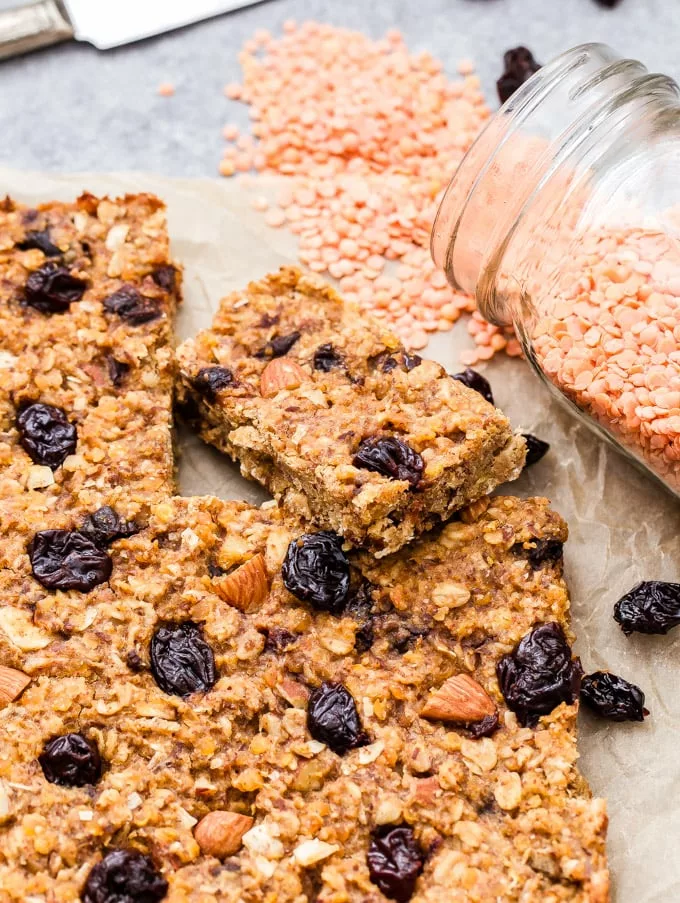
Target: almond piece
column 281, row 373
column 220, row 833
column 460, row 698
column 246, row 587
column 12, row 684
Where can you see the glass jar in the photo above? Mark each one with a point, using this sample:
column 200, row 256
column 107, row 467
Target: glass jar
column 564, row 221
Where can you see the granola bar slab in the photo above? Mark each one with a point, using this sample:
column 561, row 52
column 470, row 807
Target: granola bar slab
column 87, row 300
column 324, row 733
column 334, row 417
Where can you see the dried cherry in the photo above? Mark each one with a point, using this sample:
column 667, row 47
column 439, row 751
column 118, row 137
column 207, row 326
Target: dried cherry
column 130, row 305
column 182, row 662
column 541, row 552
column 539, row 674
column 39, row 240
column 411, row 361
column 71, row 760
column 52, row 289
column 484, row 728
column 277, row 639
column 278, row 346
column 66, row 559
column 165, row 277
column 520, row 65
column 211, row 380
column 117, row 370
column 104, row 526
column 650, row 607
column 333, row 719
column 613, row 697
column 390, row 457
column 316, row 570
column 326, row 358
column 360, row 607
column 46, row 434
column 395, row 861
column 476, row 381
column 536, row 449
column 124, row 876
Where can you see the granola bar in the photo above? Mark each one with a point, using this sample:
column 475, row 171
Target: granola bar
column 336, row 419
column 87, row 300
column 278, row 719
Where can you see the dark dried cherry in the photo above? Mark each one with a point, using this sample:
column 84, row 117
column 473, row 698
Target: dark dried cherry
column 650, row 607
column 536, row 449
column 326, row 358
column 278, row 346
column 71, row 760
column 476, row 381
column 165, row 277
column 332, row 718
column 104, row 526
column 39, row 240
column 608, row 4
column 411, row 361
column 130, row 305
column 540, row 552
column 117, row 370
column 182, row 662
column 520, row 65
column 613, row 697
column 46, row 434
column 211, row 380
column 134, row 661
column 395, row 861
column 360, row 607
column 124, row 876
column 277, row 639
column 52, row 289
column 390, row 457
column 316, row 570
column 65, row 559
column 484, row 728
column 539, row 674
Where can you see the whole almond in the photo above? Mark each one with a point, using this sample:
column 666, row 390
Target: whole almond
column 220, row 833
column 246, row 587
column 12, row 684
column 460, row 698
column 281, row 373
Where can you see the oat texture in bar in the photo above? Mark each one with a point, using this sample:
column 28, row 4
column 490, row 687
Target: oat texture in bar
column 276, row 719
column 87, row 300
column 331, row 413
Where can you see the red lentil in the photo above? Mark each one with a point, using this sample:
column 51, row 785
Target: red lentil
column 369, row 135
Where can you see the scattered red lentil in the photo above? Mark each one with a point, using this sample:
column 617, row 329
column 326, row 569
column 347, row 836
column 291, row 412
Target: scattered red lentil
column 166, row 89
column 368, row 135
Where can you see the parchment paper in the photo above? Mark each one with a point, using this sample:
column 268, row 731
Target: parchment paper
column 623, row 527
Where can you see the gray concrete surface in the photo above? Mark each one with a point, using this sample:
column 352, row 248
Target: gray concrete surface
column 74, row 108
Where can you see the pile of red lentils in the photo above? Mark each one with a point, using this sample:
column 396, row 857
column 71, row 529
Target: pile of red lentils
column 610, row 339
column 368, row 136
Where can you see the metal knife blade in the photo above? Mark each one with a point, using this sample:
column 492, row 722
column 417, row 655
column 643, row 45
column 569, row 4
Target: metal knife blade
column 110, row 23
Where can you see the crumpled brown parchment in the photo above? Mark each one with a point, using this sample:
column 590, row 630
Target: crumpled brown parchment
column 623, row 527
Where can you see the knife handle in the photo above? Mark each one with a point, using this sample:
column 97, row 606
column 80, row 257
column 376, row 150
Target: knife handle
column 34, row 25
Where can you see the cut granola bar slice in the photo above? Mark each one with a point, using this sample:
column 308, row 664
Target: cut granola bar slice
column 88, row 294
column 339, row 721
column 336, row 418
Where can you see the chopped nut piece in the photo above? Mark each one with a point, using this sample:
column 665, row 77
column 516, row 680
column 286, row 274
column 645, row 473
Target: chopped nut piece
column 281, row 373
column 312, row 851
column 12, row 684
column 508, row 792
column 220, row 833
column 459, row 699
column 246, row 587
